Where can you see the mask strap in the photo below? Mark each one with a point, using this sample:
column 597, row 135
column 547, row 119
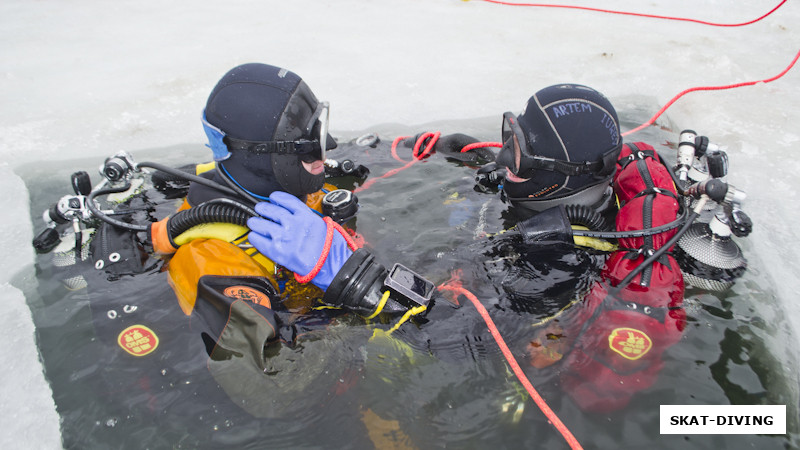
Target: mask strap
column 602, row 167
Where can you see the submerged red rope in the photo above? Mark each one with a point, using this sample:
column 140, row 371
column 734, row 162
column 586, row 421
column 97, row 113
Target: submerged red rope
column 429, row 139
column 649, row 16
column 455, row 286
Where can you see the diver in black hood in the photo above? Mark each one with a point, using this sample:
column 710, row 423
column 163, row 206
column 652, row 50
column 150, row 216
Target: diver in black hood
column 562, row 149
column 563, row 165
column 265, row 128
column 268, row 134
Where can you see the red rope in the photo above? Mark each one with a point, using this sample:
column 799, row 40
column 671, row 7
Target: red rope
column 394, row 147
column 428, row 147
column 671, row 102
column 326, row 249
column 455, row 286
column 710, row 88
column 372, row 181
column 347, row 238
column 433, row 137
column 480, row 145
column 650, row 16
column 417, row 156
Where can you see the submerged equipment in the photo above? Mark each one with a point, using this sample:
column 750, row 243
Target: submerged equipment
column 345, row 168
column 70, row 208
column 708, row 257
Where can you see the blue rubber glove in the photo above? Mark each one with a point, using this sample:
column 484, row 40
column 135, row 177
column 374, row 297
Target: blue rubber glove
column 293, row 236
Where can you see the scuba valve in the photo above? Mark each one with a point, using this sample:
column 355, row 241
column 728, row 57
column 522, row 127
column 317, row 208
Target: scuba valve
column 707, row 254
column 70, row 208
column 692, row 149
column 118, row 166
column 687, row 151
column 118, row 171
column 341, row 205
column 368, row 140
column 708, row 257
column 490, row 177
column 704, row 248
column 81, row 183
column 345, row 168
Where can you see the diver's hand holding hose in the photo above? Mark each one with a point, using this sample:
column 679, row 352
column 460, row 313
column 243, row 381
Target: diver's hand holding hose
column 292, row 235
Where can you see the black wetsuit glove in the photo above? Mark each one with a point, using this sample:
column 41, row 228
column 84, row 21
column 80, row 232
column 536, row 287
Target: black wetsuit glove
column 450, row 146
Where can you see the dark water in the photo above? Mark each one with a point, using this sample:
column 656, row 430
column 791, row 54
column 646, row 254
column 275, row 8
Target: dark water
column 440, row 382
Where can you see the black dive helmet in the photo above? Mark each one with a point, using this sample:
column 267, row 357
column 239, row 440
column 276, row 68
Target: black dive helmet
column 262, row 122
column 562, row 149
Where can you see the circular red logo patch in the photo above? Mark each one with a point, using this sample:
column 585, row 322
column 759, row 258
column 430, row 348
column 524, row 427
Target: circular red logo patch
column 138, row 340
column 629, row 342
column 248, row 294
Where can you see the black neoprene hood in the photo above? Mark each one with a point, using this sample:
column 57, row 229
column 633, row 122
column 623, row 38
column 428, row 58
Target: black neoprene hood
column 566, row 122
